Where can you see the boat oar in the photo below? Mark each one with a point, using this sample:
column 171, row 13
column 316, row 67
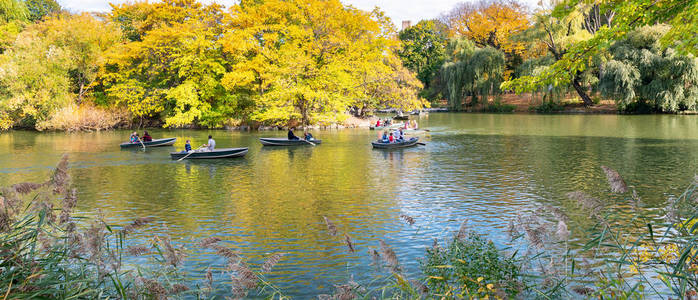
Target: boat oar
column 139, row 140
column 309, row 142
column 189, row 154
column 420, row 143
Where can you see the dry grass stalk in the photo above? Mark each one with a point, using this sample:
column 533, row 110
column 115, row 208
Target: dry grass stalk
column 389, row 255
column 615, row 180
column 172, row 255
column 331, row 229
column 512, row 231
column 350, row 245
column 137, row 223
column 271, row 262
column 407, row 219
column 137, row 250
column 462, row 231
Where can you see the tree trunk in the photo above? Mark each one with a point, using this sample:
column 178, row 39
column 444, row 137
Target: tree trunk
column 581, row 92
column 81, row 93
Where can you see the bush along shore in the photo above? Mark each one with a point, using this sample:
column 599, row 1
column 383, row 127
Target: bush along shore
column 48, row 252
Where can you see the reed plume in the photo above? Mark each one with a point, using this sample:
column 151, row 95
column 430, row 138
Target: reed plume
column 67, row 205
column 615, row 180
column 271, row 262
column 137, row 223
column 243, row 278
column 407, row 219
column 172, row 255
column 462, row 231
column 137, row 250
column 389, row 255
column 562, row 232
column 207, row 242
column 586, row 201
column 26, row 187
column 375, row 256
column 178, row 288
column 350, row 245
column 331, row 229
column 154, row 288
column 60, row 177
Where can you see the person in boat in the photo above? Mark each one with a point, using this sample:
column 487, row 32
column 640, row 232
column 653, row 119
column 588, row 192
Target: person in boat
column 391, row 139
column 147, row 137
column 401, row 136
column 134, row 138
column 291, row 136
column 187, row 147
column 211, row 144
column 378, row 123
column 307, row 136
column 384, row 138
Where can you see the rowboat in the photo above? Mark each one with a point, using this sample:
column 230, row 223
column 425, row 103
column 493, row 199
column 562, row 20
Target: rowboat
column 408, row 143
column 396, row 125
column 286, row 142
column 217, row 153
column 401, row 117
column 153, row 143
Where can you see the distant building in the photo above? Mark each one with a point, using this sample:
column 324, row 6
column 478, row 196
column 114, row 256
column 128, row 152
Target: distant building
column 406, row 24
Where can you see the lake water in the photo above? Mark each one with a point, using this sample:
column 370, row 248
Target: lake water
column 485, row 168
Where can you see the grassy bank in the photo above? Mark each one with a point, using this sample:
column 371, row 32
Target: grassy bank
column 48, row 252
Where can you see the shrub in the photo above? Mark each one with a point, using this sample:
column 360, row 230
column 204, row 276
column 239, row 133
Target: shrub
column 83, row 118
column 547, row 107
column 499, row 107
column 472, row 266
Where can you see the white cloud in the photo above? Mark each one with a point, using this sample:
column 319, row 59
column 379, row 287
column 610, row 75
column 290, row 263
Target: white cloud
column 397, row 10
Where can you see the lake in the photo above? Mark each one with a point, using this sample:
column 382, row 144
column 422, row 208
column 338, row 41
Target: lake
column 485, row 168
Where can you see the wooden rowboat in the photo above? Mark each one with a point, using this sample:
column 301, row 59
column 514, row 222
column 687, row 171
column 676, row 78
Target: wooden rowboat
column 286, row 142
column 217, row 153
column 401, row 117
column 153, row 143
column 408, row 143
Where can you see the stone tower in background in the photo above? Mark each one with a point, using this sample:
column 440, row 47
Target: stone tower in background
column 406, row 24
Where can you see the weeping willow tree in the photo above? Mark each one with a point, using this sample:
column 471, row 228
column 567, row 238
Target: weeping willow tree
column 471, row 72
column 643, row 76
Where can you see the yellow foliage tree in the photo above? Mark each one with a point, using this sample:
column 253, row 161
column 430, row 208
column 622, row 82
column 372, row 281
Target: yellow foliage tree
column 491, row 23
column 310, row 60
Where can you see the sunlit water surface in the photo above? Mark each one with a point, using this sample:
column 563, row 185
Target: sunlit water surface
column 480, row 167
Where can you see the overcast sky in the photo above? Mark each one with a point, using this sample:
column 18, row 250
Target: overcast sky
column 397, row 10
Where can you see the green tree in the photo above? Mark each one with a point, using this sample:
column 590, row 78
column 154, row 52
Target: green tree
column 38, row 9
column 12, row 10
column 643, row 74
column 627, row 15
column 51, row 64
column 471, row 71
column 424, row 49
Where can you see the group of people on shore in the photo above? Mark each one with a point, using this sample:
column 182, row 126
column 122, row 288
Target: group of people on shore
column 409, row 124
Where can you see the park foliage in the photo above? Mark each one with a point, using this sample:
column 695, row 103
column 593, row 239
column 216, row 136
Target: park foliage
column 183, row 63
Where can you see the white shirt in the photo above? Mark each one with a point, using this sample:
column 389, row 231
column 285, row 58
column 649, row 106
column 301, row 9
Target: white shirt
column 211, row 144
